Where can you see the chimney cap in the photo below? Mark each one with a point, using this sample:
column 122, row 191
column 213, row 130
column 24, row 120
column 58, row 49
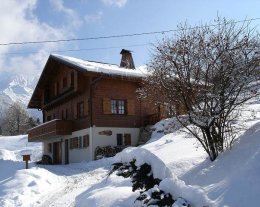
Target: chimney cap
column 125, row 51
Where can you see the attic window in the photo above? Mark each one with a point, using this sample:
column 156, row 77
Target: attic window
column 64, row 82
column 80, row 109
column 72, row 79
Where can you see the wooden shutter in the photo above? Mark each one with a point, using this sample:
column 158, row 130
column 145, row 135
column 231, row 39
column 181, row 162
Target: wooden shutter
column 106, row 105
column 86, row 141
column 75, row 110
column 86, row 107
column 127, row 139
column 131, row 107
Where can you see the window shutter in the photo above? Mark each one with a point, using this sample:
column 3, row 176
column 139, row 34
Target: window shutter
column 106, row 105
column 86, row 107
column 127, row 139
column 75, row 110
column 131, row 107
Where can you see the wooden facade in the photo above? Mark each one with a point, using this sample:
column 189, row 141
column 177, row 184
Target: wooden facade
column 78, row 99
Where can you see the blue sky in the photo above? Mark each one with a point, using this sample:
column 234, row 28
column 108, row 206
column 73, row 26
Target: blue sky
column 36, row 20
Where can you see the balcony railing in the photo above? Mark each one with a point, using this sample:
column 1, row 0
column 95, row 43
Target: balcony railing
column 51, row 129
column 152, row 119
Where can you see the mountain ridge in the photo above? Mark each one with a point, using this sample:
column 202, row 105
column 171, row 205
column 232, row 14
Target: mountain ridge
column 17, row 88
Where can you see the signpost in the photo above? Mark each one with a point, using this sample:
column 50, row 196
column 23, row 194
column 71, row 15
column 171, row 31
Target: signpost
column 26, row 157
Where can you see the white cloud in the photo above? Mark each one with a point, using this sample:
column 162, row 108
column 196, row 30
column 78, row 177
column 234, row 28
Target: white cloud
column 19, row 23
column 118, row 3
column 90, row 18
column 70, row 14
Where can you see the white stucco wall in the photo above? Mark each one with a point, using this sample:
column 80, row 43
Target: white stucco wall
column 82, row 154
column 87, row 154
column 104, row 140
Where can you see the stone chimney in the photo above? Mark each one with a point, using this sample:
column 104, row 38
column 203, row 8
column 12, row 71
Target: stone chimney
column 127, row 59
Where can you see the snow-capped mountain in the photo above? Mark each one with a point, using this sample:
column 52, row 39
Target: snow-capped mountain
column 15, row 88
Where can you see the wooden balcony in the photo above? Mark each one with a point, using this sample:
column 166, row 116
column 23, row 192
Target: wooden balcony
column 152, row 119
column 51, row 129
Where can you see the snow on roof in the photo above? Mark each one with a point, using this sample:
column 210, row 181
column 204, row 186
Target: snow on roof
column 97, row 67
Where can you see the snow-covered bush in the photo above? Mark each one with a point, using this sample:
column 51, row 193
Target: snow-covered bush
column 143, row 179
column 156, row 197
column 46, row 160
column 107, row 151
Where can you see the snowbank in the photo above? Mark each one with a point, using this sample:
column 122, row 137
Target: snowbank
column 24, row 187
column 20, row 187
column 170, row 183
column 113, row 191
column 12, row 146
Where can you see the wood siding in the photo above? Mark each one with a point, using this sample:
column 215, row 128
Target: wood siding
column 116, row 89
column 66, row 106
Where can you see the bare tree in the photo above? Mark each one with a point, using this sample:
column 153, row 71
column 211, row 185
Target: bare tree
column 208, row 72
column 16, row 120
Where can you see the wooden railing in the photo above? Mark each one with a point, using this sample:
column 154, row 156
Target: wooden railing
column 152, row 119
column 50, row 129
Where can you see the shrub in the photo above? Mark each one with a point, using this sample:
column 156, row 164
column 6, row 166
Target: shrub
column 46, row 160
column 142, row 179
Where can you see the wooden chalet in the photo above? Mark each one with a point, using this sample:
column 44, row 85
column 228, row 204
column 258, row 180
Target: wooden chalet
column 86, row 105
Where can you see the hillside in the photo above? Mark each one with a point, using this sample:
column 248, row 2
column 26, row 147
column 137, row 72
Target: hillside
column 178, row 160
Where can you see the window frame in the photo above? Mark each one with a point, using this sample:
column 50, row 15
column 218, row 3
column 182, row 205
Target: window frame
column 119, row 140
column 127, row 139
column 80, row 111
column 118, row 106
column 64, row 82
column 79, row 142
column 50, row 147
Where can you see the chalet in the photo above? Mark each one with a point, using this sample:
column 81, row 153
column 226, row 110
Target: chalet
column 86, row 105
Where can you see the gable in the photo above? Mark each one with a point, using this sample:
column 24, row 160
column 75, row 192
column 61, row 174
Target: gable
column 57, row 65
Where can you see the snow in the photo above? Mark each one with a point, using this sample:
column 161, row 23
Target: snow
column 109, row 69
column 11, row 148
column 177, row 159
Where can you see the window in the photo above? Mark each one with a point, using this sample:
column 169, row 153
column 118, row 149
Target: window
column 85, row 141
column 50, row 147
column 118, row 106
column 66, row 114
column 72, row 80
column 74, row 143
column 119, row 138
column 79, row 142
column 57, row 88
column 62, row 114
column 127, row 139
column 64, row 82
column 80, row 109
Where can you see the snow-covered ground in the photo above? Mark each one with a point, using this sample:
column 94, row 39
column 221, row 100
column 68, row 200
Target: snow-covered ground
column 232, row 180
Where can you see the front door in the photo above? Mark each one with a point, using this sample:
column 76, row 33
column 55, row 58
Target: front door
column 66, row 151
column 57, row 153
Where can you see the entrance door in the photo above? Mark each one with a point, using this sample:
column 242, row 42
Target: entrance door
column 66, row 151
column 57, row 153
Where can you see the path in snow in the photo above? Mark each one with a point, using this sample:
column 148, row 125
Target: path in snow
column 77, row 179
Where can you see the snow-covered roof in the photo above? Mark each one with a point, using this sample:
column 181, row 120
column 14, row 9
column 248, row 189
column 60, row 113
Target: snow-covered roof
column 105, row 68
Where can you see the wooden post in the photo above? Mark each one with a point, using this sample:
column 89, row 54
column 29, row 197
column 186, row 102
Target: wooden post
column 26, row 164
